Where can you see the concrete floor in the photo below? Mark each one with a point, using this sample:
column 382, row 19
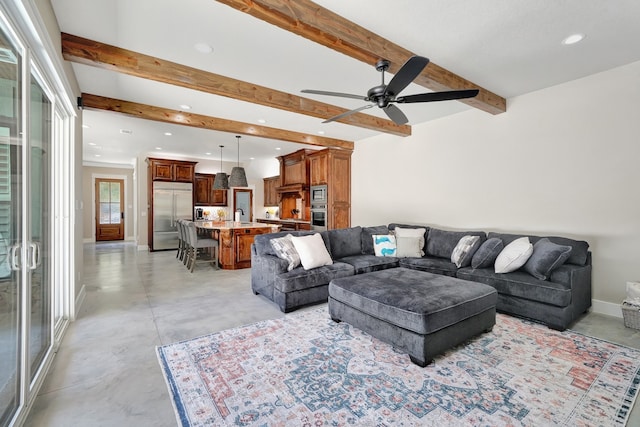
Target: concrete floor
column 106, row 372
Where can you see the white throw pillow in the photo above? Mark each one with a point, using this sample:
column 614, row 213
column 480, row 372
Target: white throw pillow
column 413, row 233
column 514, row 255
column 408, row 247
column 384, row 244
column 313, row 253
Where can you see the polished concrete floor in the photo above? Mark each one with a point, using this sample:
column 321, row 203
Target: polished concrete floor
column 106, row 372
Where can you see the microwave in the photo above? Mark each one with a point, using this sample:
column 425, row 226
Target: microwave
column 318, row 194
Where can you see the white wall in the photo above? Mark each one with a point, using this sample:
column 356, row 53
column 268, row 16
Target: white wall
column 560, row 161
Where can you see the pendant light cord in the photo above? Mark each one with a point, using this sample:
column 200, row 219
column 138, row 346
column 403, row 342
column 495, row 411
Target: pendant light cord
column 238, row 139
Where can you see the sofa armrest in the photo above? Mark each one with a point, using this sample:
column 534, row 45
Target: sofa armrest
column 578, row 277
column 264, row 269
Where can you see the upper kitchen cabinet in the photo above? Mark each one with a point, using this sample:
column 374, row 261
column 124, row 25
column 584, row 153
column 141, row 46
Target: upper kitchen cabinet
column 294, row 169
column 318, row 164
column 332, row 167
column 171, row 170
column 205, row 195
column 270, row 194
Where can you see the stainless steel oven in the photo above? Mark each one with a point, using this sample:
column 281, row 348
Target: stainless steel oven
column 319, row 216
column 318, row 194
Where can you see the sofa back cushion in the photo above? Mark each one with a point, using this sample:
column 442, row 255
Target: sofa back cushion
column 579, row 248
column 345, row 242
column 440, row 243
column 366, row 238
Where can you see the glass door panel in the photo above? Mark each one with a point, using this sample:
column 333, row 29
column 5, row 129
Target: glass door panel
column 109, row 209
column 10, row 225
column 38, row 253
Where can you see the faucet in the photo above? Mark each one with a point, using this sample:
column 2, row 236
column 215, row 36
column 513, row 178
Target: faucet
column 240, row 210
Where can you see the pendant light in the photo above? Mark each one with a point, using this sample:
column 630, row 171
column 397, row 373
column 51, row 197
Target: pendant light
column 238, row 176
column 221, row 181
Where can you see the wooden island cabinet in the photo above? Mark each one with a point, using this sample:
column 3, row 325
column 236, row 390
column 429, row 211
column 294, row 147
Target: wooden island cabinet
column 234, row 241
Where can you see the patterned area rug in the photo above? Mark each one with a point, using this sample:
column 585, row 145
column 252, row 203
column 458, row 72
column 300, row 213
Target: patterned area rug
column 306, row 370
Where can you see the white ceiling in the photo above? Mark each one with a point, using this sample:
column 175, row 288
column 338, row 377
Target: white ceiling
column 510, row 47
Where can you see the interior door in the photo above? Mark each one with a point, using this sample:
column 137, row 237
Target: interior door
column 109, row 209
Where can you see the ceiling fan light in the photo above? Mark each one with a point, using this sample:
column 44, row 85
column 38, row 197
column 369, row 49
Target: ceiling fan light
column 573, row 39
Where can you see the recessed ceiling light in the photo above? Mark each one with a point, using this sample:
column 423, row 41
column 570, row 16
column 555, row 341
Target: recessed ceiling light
column 126, row 131
column 168, row 134
column 278, row 148
column 185, row 107
column 208, row 154
column 320, row 132
column 97, row 155
column 158, row 148
column 86, row 126
column 252, row 158
column 92, row 143
column 573, row 39
column 203, row 48
column 262, row 121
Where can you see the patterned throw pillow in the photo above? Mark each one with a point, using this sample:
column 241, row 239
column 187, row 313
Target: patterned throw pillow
column 283, row 247
column 384, row 244
column 464, row 250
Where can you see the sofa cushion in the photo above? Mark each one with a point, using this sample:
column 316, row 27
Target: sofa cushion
column 409, row 241
column 464, row 250
column 313, row 253
column 284, row 249
column 384, row 245
column 262, row 242
column 513, row 256
column 520, row 284
column 579, row 248
column 369, row 263
column 487, row 253
column 430, row 264
column 300, row 279
column 367, row 241
column 440, row 243
column 345, row 242
column 546, row 257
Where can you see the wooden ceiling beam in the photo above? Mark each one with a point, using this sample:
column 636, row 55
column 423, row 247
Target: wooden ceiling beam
column 309, row 20
column 165, row 115
column 101, row 55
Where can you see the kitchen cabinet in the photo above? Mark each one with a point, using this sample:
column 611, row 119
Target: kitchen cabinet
column 294, row 168
column 171, row 170
column 293, row 191
column 205, row 195
column 332, row 167
column 270, row 194
column 235, row 245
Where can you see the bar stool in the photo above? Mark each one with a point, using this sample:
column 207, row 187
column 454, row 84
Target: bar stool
column 196, row 243
column 182, row 243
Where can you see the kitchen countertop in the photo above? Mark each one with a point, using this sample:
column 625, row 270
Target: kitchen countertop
column 229, row 225
column 302, row 221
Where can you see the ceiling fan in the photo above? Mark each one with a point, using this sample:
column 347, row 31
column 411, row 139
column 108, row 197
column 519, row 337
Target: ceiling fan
column 384, row 96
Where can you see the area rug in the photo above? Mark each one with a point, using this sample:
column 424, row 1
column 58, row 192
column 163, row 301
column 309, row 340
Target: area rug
column 306, row 370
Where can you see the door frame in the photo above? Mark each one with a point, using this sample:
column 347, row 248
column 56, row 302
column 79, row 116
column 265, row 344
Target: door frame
column 94, row 177
column 122, row 223
column 243, row 190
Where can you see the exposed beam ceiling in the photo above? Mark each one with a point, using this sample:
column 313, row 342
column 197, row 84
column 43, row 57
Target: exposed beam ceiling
column 309, row 20
column 89, row 52
column 166, row 115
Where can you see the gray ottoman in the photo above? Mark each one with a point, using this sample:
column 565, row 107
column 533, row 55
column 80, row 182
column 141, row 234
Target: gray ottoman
column 417, row 312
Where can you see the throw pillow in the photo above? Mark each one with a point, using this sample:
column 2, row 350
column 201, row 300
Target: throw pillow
column 514, row 255
column 411, row 232
column 464, row 250
column 284, row 249
column 409, row 247
column 384, row 244
column 313, row 253
column 487, row 253
column 545, row 258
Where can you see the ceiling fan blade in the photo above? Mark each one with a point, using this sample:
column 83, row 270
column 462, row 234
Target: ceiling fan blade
column 348, row 113
column 405, row 75
column 395, row 114
column 438, row 96
column 343, row 95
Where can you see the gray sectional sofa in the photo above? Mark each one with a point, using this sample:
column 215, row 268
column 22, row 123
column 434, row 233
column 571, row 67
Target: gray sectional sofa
column 557, row 301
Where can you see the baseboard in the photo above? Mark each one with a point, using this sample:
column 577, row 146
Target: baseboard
column 79, row 300
column 604, row 307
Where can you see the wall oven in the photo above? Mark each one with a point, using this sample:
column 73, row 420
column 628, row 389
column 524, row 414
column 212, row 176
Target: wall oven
column 318, row 194
column 319, row 216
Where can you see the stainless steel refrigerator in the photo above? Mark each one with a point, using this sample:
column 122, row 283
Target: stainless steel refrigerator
column 171, row 201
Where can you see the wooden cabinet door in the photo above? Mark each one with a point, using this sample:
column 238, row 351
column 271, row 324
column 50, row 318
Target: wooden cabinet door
column 183, row 172
column 319, row 169
column 243, row 247
column 270, row 195
column 162, row 170
column 203, row 184
column 339, row 216
column 219, row 198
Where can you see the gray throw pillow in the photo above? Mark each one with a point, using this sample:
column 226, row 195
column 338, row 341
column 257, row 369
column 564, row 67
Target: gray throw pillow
column 545, row 258
column 464, row 250
column 487, row 253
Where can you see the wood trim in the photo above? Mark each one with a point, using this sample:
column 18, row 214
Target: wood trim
column 313, row 22
column 101, row 55
column 166, row 115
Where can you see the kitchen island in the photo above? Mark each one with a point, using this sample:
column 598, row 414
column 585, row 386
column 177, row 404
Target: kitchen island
column 234, row 240
column 287, row 224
